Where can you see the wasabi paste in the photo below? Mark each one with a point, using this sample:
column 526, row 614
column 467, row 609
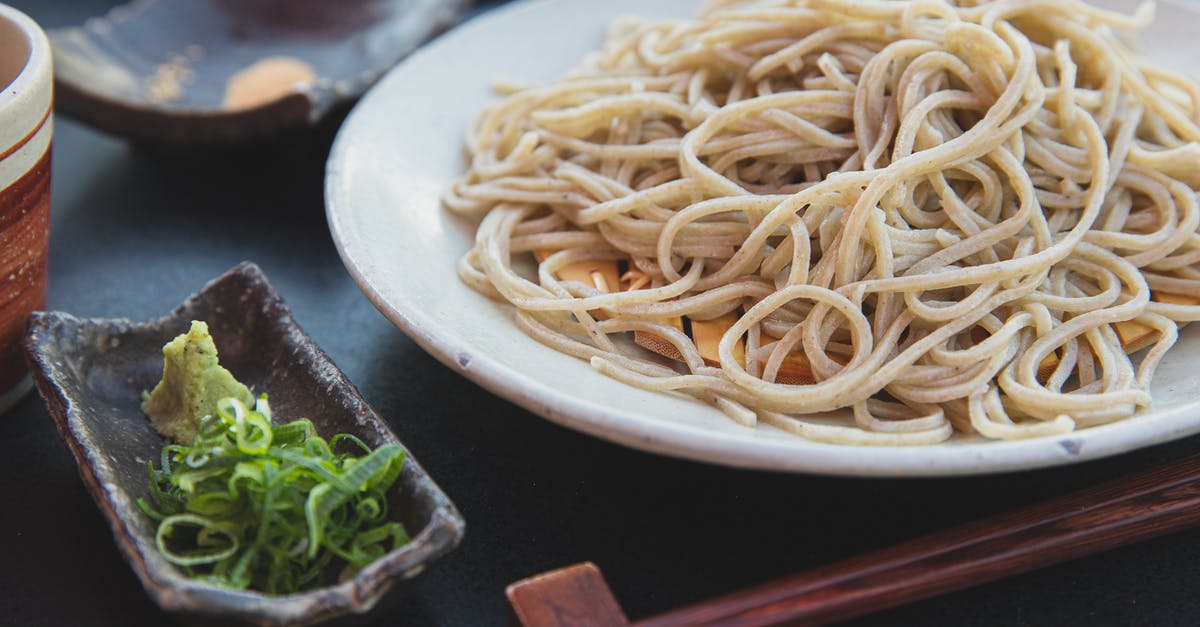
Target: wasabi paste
column 192, row 383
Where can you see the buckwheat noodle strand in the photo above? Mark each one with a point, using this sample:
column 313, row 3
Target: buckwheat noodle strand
column 945, row 216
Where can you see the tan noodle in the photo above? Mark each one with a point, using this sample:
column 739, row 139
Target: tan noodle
column 943, row 217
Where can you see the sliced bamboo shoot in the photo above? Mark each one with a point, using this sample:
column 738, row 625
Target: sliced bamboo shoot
column 1046, row 368
column 601, row 274
column 657, row 344
column 634, row 280
column 707, row 336
column 1176, row 299
column 1134, row 335
column 795, row 369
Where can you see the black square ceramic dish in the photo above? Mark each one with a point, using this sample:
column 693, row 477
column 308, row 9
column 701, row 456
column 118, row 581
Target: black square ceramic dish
column 91, row 373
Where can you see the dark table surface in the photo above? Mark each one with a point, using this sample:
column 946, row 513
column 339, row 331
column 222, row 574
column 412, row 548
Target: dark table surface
column 137, row 228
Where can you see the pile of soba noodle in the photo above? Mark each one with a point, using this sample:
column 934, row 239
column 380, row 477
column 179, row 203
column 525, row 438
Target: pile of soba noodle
column 946, row 209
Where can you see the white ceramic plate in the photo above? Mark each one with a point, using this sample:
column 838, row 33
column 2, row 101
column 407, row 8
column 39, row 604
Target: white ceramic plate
column 402, row 146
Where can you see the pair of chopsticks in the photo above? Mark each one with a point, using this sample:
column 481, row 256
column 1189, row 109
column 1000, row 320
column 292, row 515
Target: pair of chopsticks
column 1095, row 519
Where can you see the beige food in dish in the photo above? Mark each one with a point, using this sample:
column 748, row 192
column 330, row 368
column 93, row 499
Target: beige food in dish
column 944, row 217
column 267, row 80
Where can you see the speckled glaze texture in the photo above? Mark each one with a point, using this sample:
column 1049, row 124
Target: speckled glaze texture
column 107, row 70
column 91, row 372
column 24, row 255
column 26, row 128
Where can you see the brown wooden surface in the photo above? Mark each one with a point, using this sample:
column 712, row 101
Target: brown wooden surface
column 1139, row 507
column 575, row 596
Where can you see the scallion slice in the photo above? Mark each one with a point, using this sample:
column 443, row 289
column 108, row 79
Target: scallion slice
column 253, row 505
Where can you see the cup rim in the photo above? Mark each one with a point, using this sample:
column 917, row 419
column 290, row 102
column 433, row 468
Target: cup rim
column 39, row 57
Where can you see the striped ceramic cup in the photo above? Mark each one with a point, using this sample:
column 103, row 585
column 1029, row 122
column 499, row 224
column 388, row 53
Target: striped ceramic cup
column 26, row 100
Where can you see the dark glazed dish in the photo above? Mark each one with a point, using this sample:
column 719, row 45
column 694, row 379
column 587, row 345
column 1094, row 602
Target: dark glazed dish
column 156, row 69
column 91, row 372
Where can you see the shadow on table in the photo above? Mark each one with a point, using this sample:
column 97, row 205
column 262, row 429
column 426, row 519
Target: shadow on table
column 656, row 525
column 153, row 223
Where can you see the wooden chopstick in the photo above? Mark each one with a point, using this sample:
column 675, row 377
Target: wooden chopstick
column 1095, row 519
column 573, row 596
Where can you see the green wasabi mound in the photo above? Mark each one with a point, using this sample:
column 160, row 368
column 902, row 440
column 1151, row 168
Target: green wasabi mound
column 192, row 383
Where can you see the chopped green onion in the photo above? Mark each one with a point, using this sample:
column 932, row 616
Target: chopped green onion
column 214, row 541
column 253, row 422
column 252, row 505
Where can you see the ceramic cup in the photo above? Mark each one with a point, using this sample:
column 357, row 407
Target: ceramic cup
column 26, row 100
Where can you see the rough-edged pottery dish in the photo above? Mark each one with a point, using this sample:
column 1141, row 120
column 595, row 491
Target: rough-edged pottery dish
column 91, row 373
column 212, row 70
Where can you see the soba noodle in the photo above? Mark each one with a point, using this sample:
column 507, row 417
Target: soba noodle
column 952, row 217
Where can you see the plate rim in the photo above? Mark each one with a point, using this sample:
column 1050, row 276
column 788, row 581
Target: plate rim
column 680, row 441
